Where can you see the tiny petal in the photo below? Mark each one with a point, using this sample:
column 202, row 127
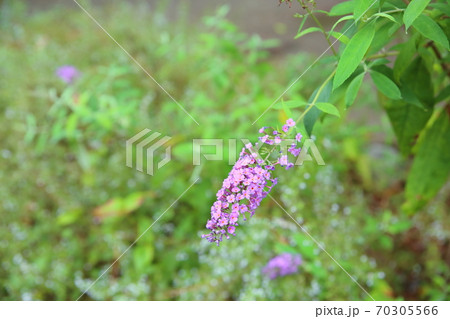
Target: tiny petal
column 290, row 122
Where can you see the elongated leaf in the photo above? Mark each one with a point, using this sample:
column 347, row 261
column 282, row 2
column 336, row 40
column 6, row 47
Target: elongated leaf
column 381, row 61
column 413, row 10
column 328, row 108
column 302, row 24
column 339, row 21
column 381, row 38
column 352, row 90
column 361, row 7
column 444, row 8
column 353, row 54
column 120, row 206
column 384, row 15
column 385, row 85
column 405, row 55
column 312, row 116
column 306, row 31
column 342, row 8
column 339, row 36
column 444, row 94
column 430, row 169
column 407, row 117
column 431, row 30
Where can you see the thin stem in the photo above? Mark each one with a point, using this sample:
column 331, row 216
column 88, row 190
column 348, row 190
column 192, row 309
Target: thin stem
column 382, row 55
column 321, row 28
column 319, row 91
column 316, row 97
column 438, row 56
column 393, row 11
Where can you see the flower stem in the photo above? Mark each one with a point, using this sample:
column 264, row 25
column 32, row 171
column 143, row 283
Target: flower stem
column 382, row 55
column 321, row 28
column 319, row 91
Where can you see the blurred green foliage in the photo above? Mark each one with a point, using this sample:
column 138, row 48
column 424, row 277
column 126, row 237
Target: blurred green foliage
column 70, row 206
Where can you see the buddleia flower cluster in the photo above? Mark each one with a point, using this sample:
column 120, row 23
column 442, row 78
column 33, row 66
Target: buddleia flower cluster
column 249, row 181
column 68, row 73
column 282, row 265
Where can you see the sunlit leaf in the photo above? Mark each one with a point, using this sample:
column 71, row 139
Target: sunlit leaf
column 414, row 9
column 353, row 54
column 384, row 15
column 385, row 85
column 120, row 206
column 361, row 7
column 352, row 90
column 306, row 31
column 431, row 30
column 328, row 108
column 342, row 8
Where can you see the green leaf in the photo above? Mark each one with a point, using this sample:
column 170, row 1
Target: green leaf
column 120, row 206
column 305, row 246
column 430, row 169
column 399, row 226
column 311, row 117
column 69, row 217
column 353, row 54
column 381, row 61
column 384, row 15
column 431, row 30
column 304, row 18
column 283, row 248
column 306, row 31
column 407, row 118
column 413, row 10
column 349, row 17
column 444, row 94
column 385, row 85
column 328, row 108
column 339, row 36
column 142, row 257
column 342, row 8
column 405, row 55
column 444, row 8
column 381, row 38
column 352, row 90
column 361, row 7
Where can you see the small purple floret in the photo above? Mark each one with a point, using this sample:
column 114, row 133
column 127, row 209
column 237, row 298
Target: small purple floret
column 67, row 73
column 282, row 265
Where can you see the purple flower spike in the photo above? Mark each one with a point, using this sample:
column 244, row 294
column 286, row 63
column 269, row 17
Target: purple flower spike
column 245, row 187
column 67, row 73
column 282, row 265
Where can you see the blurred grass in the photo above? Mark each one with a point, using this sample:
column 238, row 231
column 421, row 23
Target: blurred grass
column 63, row 159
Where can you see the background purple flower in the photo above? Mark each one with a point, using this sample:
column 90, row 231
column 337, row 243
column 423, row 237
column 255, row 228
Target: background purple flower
column 282, row 265
column 67, row 73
